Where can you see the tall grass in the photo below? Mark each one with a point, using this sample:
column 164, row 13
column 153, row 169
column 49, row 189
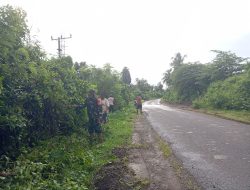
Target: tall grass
column 68, row 162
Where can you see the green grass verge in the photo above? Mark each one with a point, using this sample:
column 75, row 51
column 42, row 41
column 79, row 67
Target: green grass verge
column 237, row 115
column 164, row 147
column 242, row 116
column 69, row 162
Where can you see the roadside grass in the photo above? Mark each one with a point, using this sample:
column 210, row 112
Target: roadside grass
column 164, row 147
column 242, row 116
column 69, row 162
column 236, row 115
column 187, row 180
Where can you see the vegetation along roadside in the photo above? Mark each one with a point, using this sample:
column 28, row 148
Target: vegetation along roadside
column 220, row 87
column 69, row 162
column 42, row 141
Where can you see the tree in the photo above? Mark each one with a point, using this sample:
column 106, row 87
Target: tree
column 189, row 81
column 225, row 64
column 177, row 60
column 14, row 72
column 126, row 78
column 157, row 90
column 222, row 83
column 13, row 32
column 159, row 86
column 34, row 91
column 143, row 88
column 167, row 77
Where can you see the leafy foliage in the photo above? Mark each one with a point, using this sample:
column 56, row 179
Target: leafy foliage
column 38, row 96
column 107, row 82
column 147, row 91
column 43, row 141
column 68, row 162
column 126, row 78
column 223, row 83
column 167, row 77
column 226, row 64
column 189, row 81
column 13, row 31
column 233, row 93
column 177, row 60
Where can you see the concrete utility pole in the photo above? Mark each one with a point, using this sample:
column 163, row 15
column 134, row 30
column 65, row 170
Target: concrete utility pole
column 61, row 44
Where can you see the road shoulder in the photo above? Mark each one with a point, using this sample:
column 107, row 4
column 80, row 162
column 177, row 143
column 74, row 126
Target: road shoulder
column 147, row 164
column 153, row 162
column 239, row 116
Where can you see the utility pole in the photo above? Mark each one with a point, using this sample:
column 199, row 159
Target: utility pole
column 61, row 48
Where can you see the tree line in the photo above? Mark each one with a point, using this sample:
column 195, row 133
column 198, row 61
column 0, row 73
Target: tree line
column 223, row 83
column 36, row 92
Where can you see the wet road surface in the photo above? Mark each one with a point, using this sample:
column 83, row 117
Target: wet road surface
column 215, row 151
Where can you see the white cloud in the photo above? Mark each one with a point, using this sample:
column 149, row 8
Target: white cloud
column 140, row 34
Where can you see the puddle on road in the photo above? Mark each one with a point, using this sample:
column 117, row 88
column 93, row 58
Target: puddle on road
column 166, row 108
column 152, row 102
column 177, row 131
column 213, row 124
column 156, row 104
column 192, row 156
column 216, row 125
column 212, row 142
column 220, row 157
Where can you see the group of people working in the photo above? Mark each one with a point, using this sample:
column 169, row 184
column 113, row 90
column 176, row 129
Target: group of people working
column 98, row 109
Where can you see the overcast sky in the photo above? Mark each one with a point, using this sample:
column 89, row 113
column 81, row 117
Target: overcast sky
column 140, row 34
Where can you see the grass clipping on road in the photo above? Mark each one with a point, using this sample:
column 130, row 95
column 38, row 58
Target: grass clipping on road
column 165, row 148
column 69, row 162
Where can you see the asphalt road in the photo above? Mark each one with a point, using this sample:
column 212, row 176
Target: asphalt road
column 215, row 151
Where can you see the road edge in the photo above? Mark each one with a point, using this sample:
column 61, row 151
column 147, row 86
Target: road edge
column 186, row 179
column 189, row 108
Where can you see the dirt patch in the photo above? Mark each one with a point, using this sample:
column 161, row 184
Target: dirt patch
column 117, row 175
column 121, row 152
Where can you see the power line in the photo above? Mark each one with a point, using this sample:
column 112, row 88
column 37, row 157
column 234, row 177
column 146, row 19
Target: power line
column 61, row 44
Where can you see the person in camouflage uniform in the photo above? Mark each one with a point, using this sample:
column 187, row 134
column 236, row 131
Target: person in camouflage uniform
column 94, row 111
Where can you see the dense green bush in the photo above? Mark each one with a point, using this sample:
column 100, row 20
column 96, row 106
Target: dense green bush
column 221, row 84
column 171, row 96
column 147, row 91
column 232, row 93
column 68, row 162
column 38, row 96
column 189, row 81
column 35, row 102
